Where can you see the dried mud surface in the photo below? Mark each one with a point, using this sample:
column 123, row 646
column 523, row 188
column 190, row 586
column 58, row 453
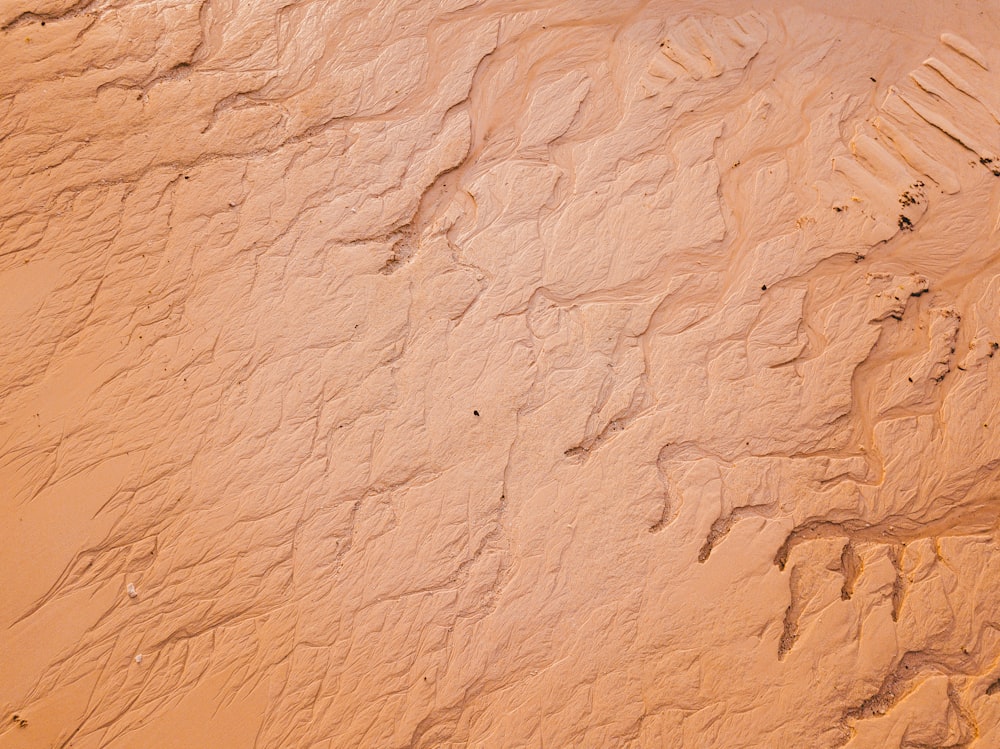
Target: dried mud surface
column 499, row 374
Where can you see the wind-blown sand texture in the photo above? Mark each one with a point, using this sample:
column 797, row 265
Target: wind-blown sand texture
column 499, row 374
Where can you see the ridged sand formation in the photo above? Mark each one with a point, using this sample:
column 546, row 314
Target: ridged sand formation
column 499, row 374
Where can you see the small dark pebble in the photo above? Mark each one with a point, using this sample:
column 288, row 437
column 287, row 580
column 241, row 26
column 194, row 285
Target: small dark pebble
column 475, row 413
column 763, row 287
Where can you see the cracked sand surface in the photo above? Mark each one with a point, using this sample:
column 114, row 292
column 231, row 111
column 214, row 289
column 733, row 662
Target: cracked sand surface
column 499, row 374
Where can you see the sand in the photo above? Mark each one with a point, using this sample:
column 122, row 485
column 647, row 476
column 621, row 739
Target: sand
column 499, row 374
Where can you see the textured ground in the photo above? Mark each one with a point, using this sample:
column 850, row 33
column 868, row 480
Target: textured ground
column 499, row 374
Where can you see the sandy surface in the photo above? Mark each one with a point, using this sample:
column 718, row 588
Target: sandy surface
column 499, row 374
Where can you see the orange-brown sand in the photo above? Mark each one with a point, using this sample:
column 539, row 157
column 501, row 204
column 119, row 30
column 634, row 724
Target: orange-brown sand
column 499, row 374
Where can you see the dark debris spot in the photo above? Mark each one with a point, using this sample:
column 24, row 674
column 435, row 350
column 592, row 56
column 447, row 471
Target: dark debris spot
column 872, row 79
column 904, row 223
column 763, row 287
column 475, row 413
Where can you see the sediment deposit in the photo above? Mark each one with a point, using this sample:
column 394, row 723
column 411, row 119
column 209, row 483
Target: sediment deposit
column 499, row 374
